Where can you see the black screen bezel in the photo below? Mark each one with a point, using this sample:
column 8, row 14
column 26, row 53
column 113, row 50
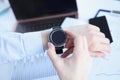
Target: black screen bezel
column 20, row 13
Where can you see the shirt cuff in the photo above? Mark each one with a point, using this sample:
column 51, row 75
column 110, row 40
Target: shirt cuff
column 14, row 46
column 33, row 43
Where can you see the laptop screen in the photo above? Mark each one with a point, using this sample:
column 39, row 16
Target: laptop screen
column 26, row 9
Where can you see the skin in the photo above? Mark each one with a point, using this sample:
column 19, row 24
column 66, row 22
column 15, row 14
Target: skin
column 83, row 42
column 75, row 67
column 97, row 42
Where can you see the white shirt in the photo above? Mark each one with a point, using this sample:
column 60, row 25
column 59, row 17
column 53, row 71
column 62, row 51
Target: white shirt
column 26, row 53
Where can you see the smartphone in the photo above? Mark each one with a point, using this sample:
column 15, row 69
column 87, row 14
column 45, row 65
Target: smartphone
column 101, row 22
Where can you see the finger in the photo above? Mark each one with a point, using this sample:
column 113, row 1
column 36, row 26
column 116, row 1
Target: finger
column 96, row 33
column 86, row 45
column 93, row 27
column 100, row 34
column 81, row 46
column 99, row 40
column 105, row 41
column 78, row 43
column 69, row 43
column 97, row 54
column 67, row 53
column 51, row 53
column 100, row 47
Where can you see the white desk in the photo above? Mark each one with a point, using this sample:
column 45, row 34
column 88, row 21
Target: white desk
column 88, row 8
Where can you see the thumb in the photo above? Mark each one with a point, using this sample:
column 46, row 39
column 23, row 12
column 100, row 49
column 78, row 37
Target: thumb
column 52, row 53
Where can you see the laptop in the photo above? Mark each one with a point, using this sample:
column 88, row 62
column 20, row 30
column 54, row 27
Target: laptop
column 36, row 15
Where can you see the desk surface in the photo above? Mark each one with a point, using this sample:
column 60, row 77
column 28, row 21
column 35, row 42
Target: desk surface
column 88, row 8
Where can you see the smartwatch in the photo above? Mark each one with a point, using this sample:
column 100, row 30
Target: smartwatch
column 58, row 37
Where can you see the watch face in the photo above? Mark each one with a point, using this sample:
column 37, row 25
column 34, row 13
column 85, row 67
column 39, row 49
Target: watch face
column 58, row 37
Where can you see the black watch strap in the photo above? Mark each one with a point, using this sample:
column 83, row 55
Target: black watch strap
column 59, row 50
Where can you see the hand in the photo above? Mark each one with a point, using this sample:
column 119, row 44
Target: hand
column 75, row 67
column 97, row 42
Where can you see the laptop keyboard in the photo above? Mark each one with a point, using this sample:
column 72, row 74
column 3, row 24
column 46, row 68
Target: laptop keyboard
column 39, row 25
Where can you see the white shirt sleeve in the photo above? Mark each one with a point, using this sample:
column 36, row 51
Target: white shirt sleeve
column 14, row 46
column 27, row 54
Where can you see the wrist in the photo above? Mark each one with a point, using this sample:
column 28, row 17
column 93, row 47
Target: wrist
column 45, row 35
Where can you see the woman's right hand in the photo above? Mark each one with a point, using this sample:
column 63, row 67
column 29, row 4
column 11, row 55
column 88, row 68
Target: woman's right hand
column 75, row 67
